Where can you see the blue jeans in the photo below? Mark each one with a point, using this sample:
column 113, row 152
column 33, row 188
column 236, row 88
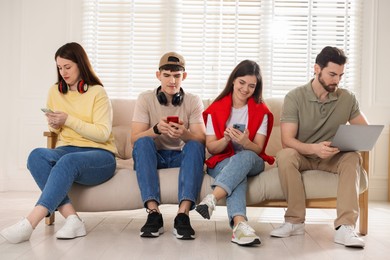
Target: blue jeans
column 55, row 170
column 231, row 175
column 147, row 159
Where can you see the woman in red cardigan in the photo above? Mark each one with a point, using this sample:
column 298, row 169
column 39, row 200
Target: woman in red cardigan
column 238, row 126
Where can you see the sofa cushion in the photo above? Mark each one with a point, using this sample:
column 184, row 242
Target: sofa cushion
column 122, row 192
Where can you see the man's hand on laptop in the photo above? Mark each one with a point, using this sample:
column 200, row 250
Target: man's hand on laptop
column 324, row 150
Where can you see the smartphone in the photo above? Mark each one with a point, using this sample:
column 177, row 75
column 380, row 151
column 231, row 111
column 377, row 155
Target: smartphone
column 174, row 119
column 240, row 127
column 46, row 110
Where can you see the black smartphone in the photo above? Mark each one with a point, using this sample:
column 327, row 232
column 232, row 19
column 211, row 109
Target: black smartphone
column 240, row 127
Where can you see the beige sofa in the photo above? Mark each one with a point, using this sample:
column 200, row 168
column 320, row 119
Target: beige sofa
column 122, row 193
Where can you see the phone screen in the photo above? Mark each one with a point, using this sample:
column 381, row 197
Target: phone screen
column 46, row 110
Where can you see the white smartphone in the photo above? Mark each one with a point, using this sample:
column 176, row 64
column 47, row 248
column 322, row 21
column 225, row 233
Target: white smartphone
column 46, row 110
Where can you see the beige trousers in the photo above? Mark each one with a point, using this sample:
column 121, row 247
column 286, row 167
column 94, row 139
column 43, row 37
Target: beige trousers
column 346, row 164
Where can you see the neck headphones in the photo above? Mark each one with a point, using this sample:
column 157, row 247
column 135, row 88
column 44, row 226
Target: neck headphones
column 63, row 88
column 177, row 99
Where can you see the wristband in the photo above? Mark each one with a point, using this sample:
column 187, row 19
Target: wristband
column 155, row 130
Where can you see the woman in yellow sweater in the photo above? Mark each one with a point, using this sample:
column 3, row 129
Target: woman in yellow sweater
column 79, row 111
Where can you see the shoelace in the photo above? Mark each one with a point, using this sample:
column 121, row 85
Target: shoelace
column 246, row 229
column 211, row 201
column 183, row 220
column 150, row 211
column 352, row 230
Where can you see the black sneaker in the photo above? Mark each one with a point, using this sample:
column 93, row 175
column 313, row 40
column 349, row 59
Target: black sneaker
column 182, row 227
column 154, row 225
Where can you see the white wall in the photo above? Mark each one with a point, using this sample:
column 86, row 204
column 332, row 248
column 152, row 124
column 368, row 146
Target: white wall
column 31, row 32
column 375, row 89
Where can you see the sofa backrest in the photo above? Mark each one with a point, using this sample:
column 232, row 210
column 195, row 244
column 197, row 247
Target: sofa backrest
column 123, row 114
column 121, row 125
column 274, row 143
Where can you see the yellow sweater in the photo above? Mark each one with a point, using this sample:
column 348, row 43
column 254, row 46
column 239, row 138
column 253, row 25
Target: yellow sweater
column 89, row 122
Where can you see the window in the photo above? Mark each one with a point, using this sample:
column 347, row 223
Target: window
column 125, row 39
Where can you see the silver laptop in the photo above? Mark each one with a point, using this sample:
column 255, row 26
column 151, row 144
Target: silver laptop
column 356, row 137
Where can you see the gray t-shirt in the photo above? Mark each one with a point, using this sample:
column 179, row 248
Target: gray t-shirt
column 148, row 110
column 318, row 121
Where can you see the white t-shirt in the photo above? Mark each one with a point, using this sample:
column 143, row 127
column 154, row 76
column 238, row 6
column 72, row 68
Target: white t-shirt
column 149, row 111
column 237, row 116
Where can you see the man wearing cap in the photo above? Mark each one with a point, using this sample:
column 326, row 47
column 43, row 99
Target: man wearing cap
column 161, row 142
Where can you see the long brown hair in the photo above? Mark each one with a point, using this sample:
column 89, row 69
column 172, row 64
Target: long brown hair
column 75, row 52
column 245, row 67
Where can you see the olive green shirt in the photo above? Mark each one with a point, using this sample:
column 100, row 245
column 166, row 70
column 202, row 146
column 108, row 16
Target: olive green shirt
column 318, row 121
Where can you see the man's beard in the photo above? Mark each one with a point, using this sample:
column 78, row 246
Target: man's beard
column 329, row 88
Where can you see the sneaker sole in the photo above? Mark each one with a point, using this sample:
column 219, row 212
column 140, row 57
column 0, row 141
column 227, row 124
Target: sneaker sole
column 152, row 234
column 182, row 237
column 203, row 210
column 254, row 242
column 81, row 234
column 295, row 233
column 351, row 245
column 69, row 238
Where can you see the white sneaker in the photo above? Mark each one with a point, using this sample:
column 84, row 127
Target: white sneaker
column 347, row 236
column 244, row 235
column 288, row 229
column 207, row 206
column 18, row 232
column 74, row 227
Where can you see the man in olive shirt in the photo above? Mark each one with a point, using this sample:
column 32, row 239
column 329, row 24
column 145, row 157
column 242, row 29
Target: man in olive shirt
column 310, row 117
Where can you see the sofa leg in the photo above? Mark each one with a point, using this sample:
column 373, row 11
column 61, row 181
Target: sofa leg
column 363, row 218
column 363, row 198
column 50, row 219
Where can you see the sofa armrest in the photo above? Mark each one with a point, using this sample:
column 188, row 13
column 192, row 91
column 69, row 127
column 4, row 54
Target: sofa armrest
column 365, row 160
column 51, row 139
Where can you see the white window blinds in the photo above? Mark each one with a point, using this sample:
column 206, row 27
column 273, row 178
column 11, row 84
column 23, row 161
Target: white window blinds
column 125, row 39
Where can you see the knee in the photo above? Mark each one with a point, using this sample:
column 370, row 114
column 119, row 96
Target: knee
column 247, row 156
column 34, row 157
column 350, row 162
column 143, row 141
column 287, row 157
column 194, row 146
column 286, row 153
column 353, row 158
column 34, row 154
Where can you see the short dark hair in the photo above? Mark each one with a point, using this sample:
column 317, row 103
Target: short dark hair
column 172, row 67
column 331, row 54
